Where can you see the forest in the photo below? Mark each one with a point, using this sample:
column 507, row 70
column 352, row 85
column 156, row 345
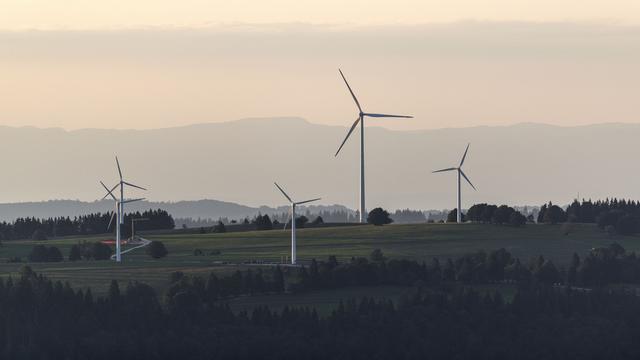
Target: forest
column 613, row 215
column 443, row 316
column 97, row 223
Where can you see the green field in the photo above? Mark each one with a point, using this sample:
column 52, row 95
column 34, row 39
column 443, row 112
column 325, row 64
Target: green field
column 417, row 242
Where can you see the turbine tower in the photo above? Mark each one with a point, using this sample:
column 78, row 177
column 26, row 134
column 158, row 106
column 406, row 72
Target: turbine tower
column 360, row 119
column 460, row 173
column 117, row 212
column 120, row 206
column 293, row 222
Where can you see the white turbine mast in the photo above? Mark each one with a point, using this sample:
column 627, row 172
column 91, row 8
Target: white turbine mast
column 119, row 206
column 293, row 221
column 360, row 119
column 460, row 173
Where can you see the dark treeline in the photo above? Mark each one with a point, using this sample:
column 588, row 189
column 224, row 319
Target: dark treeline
column 493, row 214
column 40, row 229
column 600, row 267
column 614, row 215
column 41, row 319
column 476, row 268
column 603, row 266
column 404, row 216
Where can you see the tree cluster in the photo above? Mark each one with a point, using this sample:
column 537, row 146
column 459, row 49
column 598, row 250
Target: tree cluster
column 90, row 251
column 379, row 217
column 493, row 214
column 476, row 268
column 156, row 249
column 263, row 222
column 603, row 266
column 41, row 229
column 41, row 253
column 551, row 214
column 614, row 215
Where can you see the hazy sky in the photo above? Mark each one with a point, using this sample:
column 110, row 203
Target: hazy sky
column 92, row 14
column 148, row 64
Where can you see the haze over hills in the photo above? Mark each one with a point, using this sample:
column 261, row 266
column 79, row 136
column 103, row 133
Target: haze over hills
column 238, row 161
column 204, row 209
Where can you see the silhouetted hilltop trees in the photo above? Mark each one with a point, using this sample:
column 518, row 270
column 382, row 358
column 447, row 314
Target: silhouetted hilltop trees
column 263, row 222
column 452, row 216
column 378, row 217
column 492, row 214
column 619, row 216
column 41, row 229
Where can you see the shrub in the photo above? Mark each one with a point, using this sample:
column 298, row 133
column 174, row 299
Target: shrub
column 99, row 251
column 41, row 253
column 452, row 216
column 379, row 217
column 301, row 221
column 220, row 228
column 74, row 253
column 157, row 250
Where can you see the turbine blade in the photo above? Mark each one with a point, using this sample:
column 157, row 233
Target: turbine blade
column 135, row 186
column 348, row 134
column 308, row 201
column 443, row 170
column 351, row 91
column 283, row 193
column 464, row 156
column 109, row 192
column 132, row 200
column 466, row 178
column 113, row 215
column 387, row 116
column 286, row 222
column 119, row 170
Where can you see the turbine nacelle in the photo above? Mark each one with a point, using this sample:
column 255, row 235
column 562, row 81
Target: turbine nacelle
column 459, row 168
column 362, row 114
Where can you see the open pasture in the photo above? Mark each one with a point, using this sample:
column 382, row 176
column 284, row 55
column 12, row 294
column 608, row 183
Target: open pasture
column 420, row 242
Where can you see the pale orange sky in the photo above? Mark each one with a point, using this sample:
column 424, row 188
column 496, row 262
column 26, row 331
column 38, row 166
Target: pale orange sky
column 148, row 64
column 92, row 14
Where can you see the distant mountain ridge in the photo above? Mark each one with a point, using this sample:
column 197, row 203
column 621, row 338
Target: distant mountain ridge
column 238, row 161
column 204, row 209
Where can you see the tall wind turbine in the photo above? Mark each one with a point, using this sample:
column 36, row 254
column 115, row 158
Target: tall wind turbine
column 120, row 206
column 460, row 173
column 360, row 119
column 117, row 213
column 293, row 221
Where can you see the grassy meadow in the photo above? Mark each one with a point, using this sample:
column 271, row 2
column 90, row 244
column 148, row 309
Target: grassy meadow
column 419, row 242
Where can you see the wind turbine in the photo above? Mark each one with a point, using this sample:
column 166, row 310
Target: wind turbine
column 119, row 203
column 360, row 119
column 460, row 173
column 117, row 212
column 293, row 221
